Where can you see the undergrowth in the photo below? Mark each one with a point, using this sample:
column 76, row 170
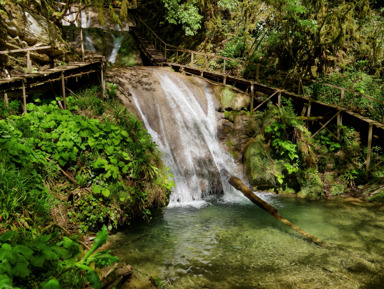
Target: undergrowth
column 283, row 156
column 357, row 81
column 95, row 160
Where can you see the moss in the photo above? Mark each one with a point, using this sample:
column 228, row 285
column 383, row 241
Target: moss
column 129, row 54
column 260, row 168
column 230, row 100
column 337, row 189
column 378, row 197
column 311, row 184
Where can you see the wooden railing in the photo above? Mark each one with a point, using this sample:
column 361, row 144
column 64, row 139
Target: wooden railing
column 49, row 75
column 233, row 67
column 28, row 51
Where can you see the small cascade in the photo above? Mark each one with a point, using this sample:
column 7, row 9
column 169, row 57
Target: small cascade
column 85, row 19
column 181, row 117
column 88, row 43
column 117, row 40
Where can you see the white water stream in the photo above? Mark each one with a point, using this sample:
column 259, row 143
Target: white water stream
column 181, row 118
column 117, row 40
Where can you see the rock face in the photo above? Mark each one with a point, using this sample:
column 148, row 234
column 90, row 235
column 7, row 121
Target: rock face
column 22, row 27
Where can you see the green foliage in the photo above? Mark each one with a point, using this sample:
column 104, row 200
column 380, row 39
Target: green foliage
column 114, row 161
column 281, row 155
column 21, row 192
column 378, row 197
column 185, row 14
column 14, row 107
column 159, row 283
column 353, row 80
column 337, row 189
column 44, row 260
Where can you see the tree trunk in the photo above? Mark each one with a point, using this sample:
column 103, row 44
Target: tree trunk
column 239, row 185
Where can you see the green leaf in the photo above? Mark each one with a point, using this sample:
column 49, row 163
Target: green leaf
column 51, row 284
column 101, row 239
column 93, row 279
column 106, row 193
column 124, row 133
column 7, row 236
column 37, row 260
column 6, row 253
column 24, row 250
column 21, row 270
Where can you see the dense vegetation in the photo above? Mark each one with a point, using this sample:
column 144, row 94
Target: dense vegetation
column 292, row 40
column 69, row 172
column 283, row 156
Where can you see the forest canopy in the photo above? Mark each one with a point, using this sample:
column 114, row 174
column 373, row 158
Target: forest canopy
column 307, row 37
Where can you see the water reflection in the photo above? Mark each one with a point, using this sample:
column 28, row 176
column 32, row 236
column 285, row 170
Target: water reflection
column 241, row 246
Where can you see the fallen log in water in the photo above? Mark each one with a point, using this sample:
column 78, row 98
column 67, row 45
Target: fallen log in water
column 239, row 185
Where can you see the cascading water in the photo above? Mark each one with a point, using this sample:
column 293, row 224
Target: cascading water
column 181, row 117
column 117, row 40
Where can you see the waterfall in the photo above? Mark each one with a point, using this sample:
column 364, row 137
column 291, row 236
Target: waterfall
column 117, row 40
column 180, row 115
column 88, row 43
column 85, row 19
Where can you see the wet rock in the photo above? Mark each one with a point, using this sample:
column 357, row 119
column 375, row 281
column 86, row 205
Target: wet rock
column 231, row 100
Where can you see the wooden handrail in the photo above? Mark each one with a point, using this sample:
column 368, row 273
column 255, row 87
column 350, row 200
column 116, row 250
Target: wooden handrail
column 32, row 48
column 169, row 47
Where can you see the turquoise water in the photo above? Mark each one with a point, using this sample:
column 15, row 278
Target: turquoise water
column 237, row 245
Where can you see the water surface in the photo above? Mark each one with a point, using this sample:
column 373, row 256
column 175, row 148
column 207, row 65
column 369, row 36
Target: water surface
column 237, row 245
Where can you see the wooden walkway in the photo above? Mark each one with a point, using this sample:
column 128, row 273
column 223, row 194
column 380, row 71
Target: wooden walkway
column 96, row 64
column 319, row 115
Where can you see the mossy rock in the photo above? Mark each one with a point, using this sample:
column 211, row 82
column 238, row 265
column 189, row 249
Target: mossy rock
column 259, row 167
column 377, row 197
column 230, row 100
column 311, row 185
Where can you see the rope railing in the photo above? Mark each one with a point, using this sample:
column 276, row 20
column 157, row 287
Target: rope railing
column 231, row 66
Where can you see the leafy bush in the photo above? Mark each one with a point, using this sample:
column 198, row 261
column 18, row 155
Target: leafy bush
column 13, row 107
column 115, row 160
column 356, row 81
column 49, row 262
column 21, row 192
column 337, row 189
column 379, row 197
column 281, row 154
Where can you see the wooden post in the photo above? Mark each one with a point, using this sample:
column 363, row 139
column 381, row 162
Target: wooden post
column 369, row 150
column 224, row 67
column 279, row 100
column 165, row 50
column 63, row 90
column 339, row 123
column 102, row 80
column 309, row 112
column 29, row 65
column 192, row 58
column 82, row 45
column 24, row 98
column 225, row 80
column 252, row 95
column 6, row 100
column 257, row 72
